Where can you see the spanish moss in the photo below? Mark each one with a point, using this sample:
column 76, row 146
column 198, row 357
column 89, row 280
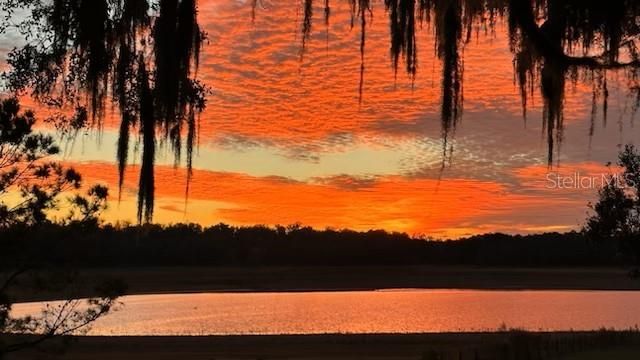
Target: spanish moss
column 146, row 185
column 551, row 41
column 142, row 55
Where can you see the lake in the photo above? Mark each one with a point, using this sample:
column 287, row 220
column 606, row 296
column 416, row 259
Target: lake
column 388, row 311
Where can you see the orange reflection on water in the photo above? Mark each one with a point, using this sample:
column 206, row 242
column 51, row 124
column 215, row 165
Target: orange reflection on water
column 396, row 311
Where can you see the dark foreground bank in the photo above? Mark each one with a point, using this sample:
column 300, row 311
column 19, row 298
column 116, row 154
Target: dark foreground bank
column 459, row 346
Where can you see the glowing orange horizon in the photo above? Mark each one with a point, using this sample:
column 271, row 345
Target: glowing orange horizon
column 457, row 207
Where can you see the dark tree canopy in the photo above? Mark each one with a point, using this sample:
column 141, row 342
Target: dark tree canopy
column 616, row 216
column 32, row 183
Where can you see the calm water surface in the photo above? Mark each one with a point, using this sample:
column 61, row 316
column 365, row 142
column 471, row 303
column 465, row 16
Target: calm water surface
column 398, row 311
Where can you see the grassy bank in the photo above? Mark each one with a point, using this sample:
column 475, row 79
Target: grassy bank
column 460, row 346
column 203, row 279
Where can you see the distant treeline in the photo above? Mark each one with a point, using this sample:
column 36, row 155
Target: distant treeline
column 223, row 245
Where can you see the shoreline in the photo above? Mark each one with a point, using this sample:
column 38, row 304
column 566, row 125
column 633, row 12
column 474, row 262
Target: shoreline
column 463, row 345
column 179, row 280
column 495, row 345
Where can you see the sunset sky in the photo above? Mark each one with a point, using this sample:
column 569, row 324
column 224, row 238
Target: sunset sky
column 284, row 139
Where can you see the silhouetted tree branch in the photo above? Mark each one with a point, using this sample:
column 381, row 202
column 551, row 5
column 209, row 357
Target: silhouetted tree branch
column 30, row 187
column 616, row 214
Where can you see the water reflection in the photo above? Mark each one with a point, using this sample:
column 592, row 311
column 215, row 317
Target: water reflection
column 398, row 311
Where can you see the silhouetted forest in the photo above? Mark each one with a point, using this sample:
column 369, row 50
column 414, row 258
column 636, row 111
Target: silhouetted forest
column 222, row 245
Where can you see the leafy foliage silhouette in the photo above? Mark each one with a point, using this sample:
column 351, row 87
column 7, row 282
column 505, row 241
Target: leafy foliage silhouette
column 615, row 216
column 31, row 182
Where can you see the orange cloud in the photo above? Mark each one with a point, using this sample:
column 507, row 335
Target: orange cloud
column 571, row 179
column 265, row 92
column 451, row 207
